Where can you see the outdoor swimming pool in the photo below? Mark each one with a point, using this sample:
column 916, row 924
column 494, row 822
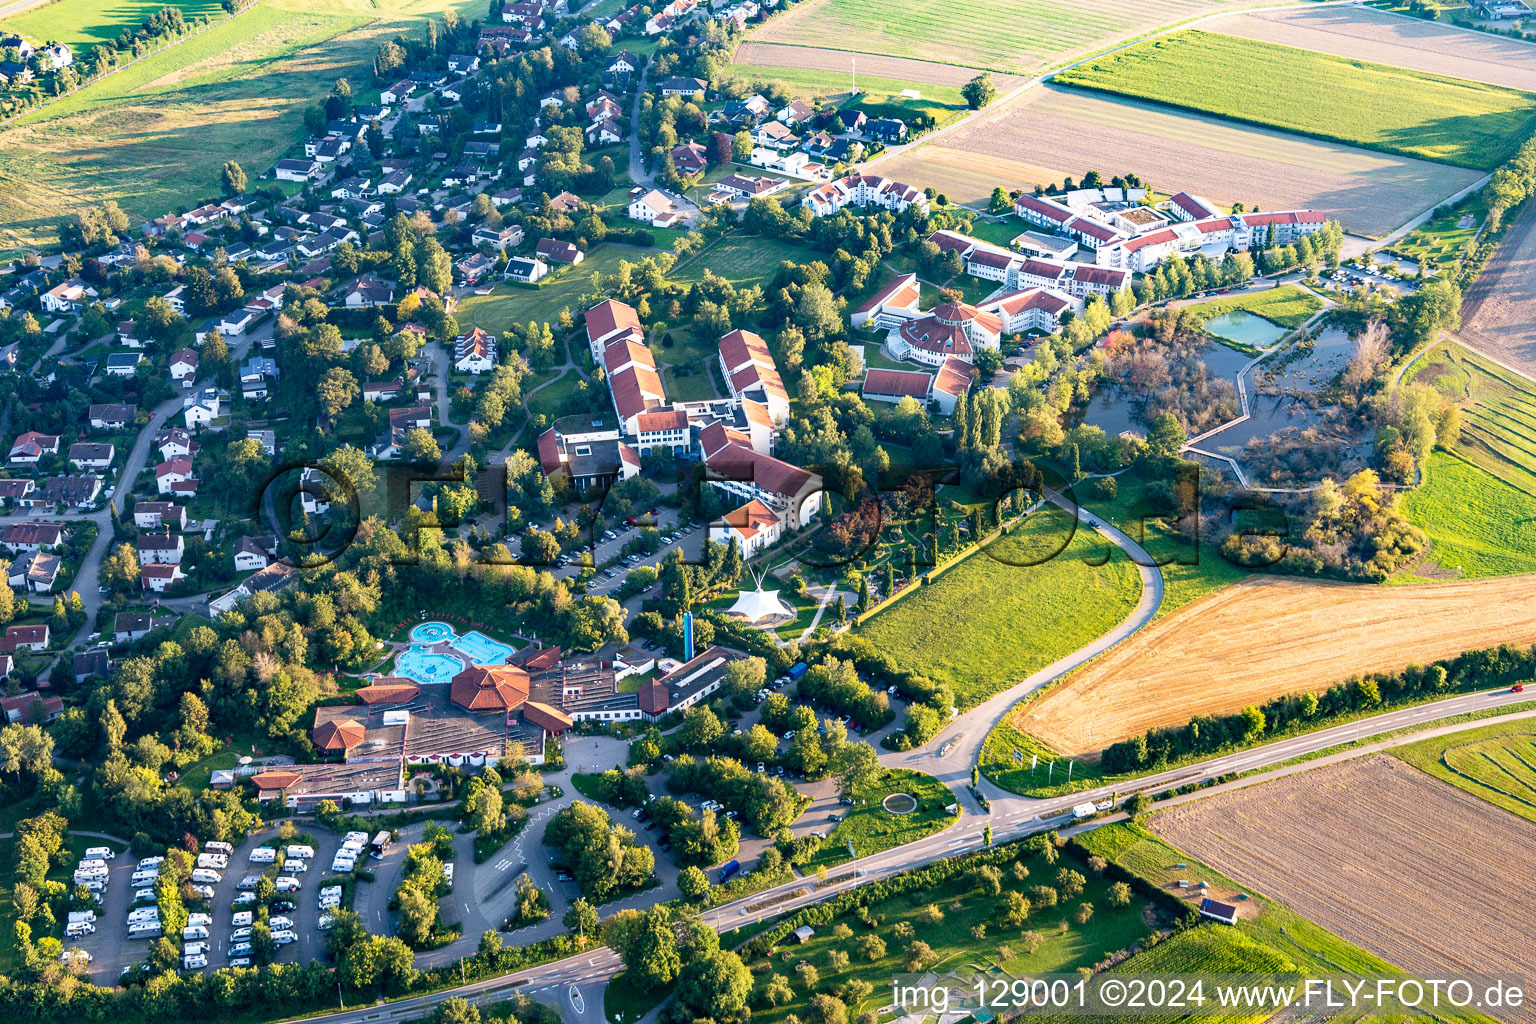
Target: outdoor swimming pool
column 481, row 649
column 427, row 667
column 474, row 645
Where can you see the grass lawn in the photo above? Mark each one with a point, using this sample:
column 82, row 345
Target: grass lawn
column 957, row 944
column 1498, row 412
column 1289, row 306
column 550, row 399
column 624, row 1003
column 510, row 304
column 1479, row 525
column 198, row 774
column 1446, row 237
column 1001, row 614
column 743, row 260
column 871, row 828
column 1375, row 106
column 155, row 136
column 1496, row 763
column 82, row 24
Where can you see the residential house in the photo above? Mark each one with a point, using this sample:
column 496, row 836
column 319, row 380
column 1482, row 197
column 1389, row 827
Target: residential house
column 472, row 268
column 554, row 250
column 235, row 324
column 474, row 352
column 159, row 515
column 175, row 443
column 171, row 473
column 69, row 297
column 123, row 364
column 253, row 553
column 158, row 578
column 202, row 408
column 161, row 548
column 526, row 269
column 655, row 207
column 184, row 367
column 87, row 455
column 508, row 236
column 33, row 536
column 297, row 170
column 35, row 572
column 130, row 626
column 690, row 158
column 29, row 448
column 369, row 290
column 677, row 85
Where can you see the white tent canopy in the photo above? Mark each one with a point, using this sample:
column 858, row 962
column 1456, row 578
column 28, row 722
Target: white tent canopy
column 757, row 605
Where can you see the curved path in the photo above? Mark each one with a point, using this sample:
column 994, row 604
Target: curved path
column 950, row 755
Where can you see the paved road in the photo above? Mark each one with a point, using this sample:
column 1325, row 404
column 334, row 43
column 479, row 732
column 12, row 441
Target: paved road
column 950, row 755
column 1013, row 817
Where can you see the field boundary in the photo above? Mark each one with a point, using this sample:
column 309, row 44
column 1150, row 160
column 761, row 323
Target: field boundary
column 17, row 118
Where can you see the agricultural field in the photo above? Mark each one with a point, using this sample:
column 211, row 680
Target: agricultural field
column 1469, row 124
column 871, row 828
column 1268, row 636
column 995, row 34
column 1064, row 943
column 1478, row 525
column 155, row 136
column 1498, row 313
column 1290, row 306
column 81, row 24
column 1048, row 133
column 830, row 71
column 1358, row 847
column 1360, row 33
column 1498, row 411
column 1496, row 763
column 994, row 619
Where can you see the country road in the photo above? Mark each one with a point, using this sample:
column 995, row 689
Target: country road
column 1012, row 817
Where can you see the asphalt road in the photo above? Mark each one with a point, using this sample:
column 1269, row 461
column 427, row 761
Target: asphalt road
column 1013, row 816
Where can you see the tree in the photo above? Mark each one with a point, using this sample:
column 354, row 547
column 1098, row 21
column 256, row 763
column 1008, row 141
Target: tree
column 234, row 179
column 1166, row 437
column 1136, row 804
column 872, row 947
column 337, row 390
column 1000, row 202
column 778, row 990
column 418, row 916
column 1119, row 894
column 693, row 884
column 979, row 91
column 741, row 146
column 353, row 465
column 854, row 766
column 715, row 986
column 581, row 918
column 420, row 446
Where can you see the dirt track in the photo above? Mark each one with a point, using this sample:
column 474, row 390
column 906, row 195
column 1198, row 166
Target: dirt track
column 1498, row 313
column 1429, row 878
column 901, row 69
column 1360, row 33
column 1269, row 636
column 1048, row 133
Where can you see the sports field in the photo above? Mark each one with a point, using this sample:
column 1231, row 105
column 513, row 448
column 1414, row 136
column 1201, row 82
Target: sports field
column 155, row 136
column 1001, row 35
column 1433, row 117
column 1048, row 133
column 81, row 24
column 994, row 619
column 1498, row 412
column 1387, row 857
column 1360, row 33
column 1496, row 763
column 1269, row 636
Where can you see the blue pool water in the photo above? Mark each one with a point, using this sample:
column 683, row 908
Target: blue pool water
column 432, row 633
column 482, row 650
column 427, row 668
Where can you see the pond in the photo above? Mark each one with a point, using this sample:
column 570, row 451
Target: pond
column 1310, row 371
column 1267, row 414
column 1245, row 327
column 1115, row 409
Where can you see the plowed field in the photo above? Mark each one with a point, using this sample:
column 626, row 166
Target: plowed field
column 1425, row 876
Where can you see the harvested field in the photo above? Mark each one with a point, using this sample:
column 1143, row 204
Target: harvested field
column 1498, row 315
column 1357, row 846
column 1361, row 33
column 1269, row 636
column 1050, row 133
column 902, row 69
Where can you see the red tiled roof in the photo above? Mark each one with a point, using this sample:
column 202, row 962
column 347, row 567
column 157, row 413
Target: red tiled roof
column 339, row 734
column 383, row 692
column 737, row 461
column 490, row 688
column 276, row 779
column 751, row 519
column 897, row 382
column 550, row 719
column 902, row 293
column 666, row 419
column 954, row 377
column 549, row 451
column 634, row 388
column 654, row 699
